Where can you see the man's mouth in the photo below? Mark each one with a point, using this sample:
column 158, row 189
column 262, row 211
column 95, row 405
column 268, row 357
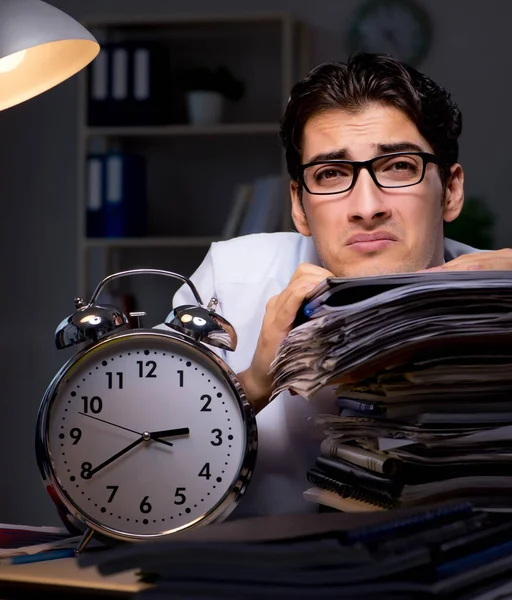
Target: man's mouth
column 371, row 242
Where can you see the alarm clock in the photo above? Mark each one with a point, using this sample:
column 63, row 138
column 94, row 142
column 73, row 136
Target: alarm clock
column 401, row 28
column 144, row 432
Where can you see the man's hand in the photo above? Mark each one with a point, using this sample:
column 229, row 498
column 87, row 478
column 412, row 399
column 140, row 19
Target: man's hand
column 496, row 260
column 279, row 316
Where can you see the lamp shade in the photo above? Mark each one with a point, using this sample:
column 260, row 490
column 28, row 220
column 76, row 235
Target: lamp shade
column 40, row 46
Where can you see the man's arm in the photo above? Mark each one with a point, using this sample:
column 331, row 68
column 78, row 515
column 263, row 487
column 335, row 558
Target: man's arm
column 280, row 314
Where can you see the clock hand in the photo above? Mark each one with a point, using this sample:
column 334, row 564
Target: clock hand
column 109, row 423
column 392, row 39
column 121, row 427
column 116, row 456
column 144, row 437
column 169, row 433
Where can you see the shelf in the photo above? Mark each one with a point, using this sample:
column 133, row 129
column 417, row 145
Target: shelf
column 150, row 242
column 207, row 19
column 184, row 130
column 269, row 52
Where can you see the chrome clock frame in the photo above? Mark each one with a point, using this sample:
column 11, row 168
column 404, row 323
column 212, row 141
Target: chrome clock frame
column 73, row 516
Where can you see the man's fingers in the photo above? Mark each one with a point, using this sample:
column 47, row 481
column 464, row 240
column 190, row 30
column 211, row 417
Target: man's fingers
column 284, row 308
column 495, row 260
column 490, row 261
column 306, row 269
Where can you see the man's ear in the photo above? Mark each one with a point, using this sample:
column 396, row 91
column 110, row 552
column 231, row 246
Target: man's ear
column 298, row 215
column 454, row 193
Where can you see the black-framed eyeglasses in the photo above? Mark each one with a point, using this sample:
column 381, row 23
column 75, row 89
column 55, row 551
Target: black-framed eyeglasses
column 395, row 170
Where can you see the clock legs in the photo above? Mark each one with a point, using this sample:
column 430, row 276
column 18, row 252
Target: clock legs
column 86, row 538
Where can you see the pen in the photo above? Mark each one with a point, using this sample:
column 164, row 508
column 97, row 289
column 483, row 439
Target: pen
column 38, row 557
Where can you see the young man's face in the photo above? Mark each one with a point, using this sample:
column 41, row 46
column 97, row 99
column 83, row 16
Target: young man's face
column 348, row 227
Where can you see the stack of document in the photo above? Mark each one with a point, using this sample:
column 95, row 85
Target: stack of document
column 422, row 364
column 451, row 551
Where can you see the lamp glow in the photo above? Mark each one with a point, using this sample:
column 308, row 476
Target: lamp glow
column 9, row 63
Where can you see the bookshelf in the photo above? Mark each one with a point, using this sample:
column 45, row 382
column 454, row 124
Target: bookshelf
column 193, row 171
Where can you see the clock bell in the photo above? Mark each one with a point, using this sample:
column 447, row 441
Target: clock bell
column 93, row 321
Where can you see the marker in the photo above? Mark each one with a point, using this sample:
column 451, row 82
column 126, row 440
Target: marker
column 38, row 557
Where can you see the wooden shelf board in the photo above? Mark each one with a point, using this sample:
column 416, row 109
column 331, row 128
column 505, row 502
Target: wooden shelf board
column 150, row 242
column 184, row 130
column 183, row 20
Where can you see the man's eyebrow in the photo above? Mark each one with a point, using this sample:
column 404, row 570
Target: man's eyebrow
column 399, row 147
column 344, row 154
column 341, row 154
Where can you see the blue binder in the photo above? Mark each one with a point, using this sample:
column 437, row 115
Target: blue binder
column 125, row 199
column 95, row 210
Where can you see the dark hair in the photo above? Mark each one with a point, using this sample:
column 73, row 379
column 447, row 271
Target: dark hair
column 362, row 80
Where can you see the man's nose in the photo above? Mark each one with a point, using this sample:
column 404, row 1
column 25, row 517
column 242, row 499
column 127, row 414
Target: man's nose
column 366, row 202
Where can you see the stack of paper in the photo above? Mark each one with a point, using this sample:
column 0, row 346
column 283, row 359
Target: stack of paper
column 447, row 551
column 423, row 368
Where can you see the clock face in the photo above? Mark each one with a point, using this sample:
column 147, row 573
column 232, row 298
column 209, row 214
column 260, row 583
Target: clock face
column 144, row 435
column 396, row 27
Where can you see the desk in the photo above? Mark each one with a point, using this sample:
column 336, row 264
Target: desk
column 63, row 578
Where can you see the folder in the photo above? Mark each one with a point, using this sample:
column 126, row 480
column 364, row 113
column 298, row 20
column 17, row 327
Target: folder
column 125, row 195
column 95, row 194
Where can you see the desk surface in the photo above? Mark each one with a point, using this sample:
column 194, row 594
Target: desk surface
column 65, row 573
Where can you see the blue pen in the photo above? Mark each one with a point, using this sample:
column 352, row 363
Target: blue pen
column 38, row 557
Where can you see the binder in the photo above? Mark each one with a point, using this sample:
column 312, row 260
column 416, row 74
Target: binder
column 125, row 195
column 141, row 74
column 95, row 195
column 98, row 82
column 120, row 73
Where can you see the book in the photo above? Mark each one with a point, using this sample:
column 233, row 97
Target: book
column 264, row 209
column 241, row 200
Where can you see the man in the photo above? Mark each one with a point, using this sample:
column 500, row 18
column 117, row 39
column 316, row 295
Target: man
column 371, row 149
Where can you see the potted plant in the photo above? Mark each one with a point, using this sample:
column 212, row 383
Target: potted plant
column 206, row 89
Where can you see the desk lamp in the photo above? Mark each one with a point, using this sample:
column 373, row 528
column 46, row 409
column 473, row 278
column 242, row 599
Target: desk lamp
column 40, row 47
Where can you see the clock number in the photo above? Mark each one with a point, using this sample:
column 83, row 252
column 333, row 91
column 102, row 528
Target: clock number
column 95, row 404
column 152, row 366
column 205, row 471
column 85, row 473
column 180, row 373
column 180, row 495
column 208, row 399
column 218, row 437
column 110, row 377
column 76, row 434
column 145, row 506
column 114, row 489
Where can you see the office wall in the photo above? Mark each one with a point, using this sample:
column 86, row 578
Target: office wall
column 470, row 56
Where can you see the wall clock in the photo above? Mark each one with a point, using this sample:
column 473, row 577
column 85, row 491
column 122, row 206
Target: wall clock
column 400, row 28
column 144, row 432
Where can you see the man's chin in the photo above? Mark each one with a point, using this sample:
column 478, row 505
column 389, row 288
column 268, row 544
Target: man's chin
column 376, row 266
